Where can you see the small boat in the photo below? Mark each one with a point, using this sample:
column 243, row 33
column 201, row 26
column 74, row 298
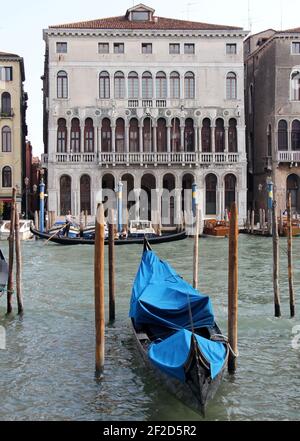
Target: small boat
column 63, row 240
column 3, row 272
column 176, row 333
column 285, row 228
column 25, row 233
column 59, row 228
column 140, row 228
column 215, row 228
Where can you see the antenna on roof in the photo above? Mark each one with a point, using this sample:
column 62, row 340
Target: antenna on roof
column 249, row 17
column 188, row 6
column 281, row 14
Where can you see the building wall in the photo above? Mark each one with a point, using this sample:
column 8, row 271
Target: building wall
column 210, row 65
column 12, row 159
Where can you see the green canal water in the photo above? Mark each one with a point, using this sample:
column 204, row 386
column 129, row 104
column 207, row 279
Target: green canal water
column 47, row 369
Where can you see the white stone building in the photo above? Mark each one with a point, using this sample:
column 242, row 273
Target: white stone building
column 155, row 102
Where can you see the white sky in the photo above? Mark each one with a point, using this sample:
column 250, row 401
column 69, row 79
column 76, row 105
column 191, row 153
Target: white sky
column 22, row 21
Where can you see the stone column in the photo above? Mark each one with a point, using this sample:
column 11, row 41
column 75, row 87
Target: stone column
column 113, row 138
column 199, row 140
column 154, row 138
column 213, row 140
column 126, row 138
column 226, row 139
column 68, row 146
column 289, row 139
column 168, row 138
column 196, row 139
column 81, row 137
column 182, row 138
column 141, row 137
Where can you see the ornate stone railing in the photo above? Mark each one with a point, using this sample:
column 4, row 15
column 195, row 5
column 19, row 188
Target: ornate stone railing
column 288, row 156
column 178, row 158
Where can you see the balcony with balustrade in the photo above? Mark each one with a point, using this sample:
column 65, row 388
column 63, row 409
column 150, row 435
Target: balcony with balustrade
column 155, row 159
column 288, row 156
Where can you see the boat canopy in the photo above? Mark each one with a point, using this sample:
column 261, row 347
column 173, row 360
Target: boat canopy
column 161, row 297
column 171, row 308
column 170, row 355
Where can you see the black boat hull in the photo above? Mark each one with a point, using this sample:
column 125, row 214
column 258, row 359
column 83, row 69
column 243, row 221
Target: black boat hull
column 131, row 241
column 198, row 389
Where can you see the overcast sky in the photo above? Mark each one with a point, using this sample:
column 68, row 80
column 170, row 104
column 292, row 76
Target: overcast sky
column 22, row 21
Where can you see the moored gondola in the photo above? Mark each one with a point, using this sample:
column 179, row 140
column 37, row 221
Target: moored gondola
column 62, row 240
column 176, row 332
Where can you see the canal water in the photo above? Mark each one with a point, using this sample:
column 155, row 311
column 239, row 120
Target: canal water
column 47, row 369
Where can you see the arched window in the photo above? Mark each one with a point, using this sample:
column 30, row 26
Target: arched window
column 65, row 195
column 189, row 85
column 292, row 186
column 232, row 136
column 6, row 104
column 230, row 186
column 85, row 194
column 6, row 177
column 120, row 135
column 211, row 194
column 147, row 85
column 231, row 90
column 206, row 136
column 88, row 136
column 147, row 135
column 282, row 135
column 161, row 135
column 61, row 136
column 119, row 85
column 189, row 144
column 106, row 135
column 75, row 135
column 134, row 144
column 161, row 85
column 296, row 135
column 6, row 139
column 295, row 85
column 175, row 135
column 269, row 140
column 62, row 84
column 133, row 85
column 104, row 85
column 174, row 85
column 220, row 135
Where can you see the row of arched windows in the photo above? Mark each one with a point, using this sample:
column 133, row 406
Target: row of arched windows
column 211, row 182
column 283, row 135
column 6, row 139
column 147, row 135
column 159, row 85
column 6, row 177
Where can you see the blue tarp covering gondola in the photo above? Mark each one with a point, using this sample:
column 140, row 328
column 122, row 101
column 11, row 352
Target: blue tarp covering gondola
column 170, row 355
column 160, row 296
column 163, row 301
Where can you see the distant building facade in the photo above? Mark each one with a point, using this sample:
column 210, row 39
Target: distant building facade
column 155, row 102
column 272, row 100
column 13, row 129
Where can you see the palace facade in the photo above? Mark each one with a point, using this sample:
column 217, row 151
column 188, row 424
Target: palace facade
column 156, row 102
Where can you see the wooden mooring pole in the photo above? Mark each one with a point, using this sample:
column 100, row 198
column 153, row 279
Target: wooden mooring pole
column 36, row 220
column 99, row 289
column 196, row 250
column 111, row 270
column 10, row 281
column 275, row 260
column 290, row 256
column 18, row 263
column 233, row 288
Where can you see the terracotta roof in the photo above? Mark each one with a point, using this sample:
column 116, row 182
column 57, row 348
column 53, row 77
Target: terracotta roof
column 6, row 54
column 291, row 30
column 158, row 23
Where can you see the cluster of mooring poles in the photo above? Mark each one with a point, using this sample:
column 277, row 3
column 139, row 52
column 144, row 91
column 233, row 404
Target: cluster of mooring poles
column 275, row 232
column 14, row 246
column 99, row 282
